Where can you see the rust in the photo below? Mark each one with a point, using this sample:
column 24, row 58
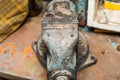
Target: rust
column 81, row 21
column 7, row 47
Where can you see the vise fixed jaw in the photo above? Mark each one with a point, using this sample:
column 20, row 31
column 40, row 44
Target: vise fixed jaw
column 63, row 57
column 62, row 49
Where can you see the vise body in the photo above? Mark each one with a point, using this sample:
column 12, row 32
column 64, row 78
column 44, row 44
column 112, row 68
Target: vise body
column 62, row 49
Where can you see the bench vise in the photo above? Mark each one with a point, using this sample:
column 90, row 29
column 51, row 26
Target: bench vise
column 62, row 49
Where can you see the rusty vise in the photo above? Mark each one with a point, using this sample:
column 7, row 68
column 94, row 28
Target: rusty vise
column 62, row 49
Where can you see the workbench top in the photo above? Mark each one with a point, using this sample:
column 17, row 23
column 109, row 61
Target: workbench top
column 18, row 58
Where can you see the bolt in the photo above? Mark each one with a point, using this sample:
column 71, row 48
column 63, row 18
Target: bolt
column 92, row 57
column 72, row 35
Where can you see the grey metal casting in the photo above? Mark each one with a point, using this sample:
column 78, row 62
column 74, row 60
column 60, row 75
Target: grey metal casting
column 62, row 49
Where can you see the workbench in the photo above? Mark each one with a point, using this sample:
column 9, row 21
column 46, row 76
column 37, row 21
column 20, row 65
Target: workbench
column 18, row 58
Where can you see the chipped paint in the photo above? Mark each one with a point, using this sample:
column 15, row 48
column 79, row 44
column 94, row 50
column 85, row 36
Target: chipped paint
column 23, row 63
column 8, row 47
column 113, row 44
column 86, row 29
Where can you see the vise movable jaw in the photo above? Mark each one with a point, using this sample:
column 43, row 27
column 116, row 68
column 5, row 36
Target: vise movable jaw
column 62, row 49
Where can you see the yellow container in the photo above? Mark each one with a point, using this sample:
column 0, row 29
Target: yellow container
column 111, row 5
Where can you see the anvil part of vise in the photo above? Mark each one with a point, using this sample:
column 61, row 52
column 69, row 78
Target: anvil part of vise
column 62, row 49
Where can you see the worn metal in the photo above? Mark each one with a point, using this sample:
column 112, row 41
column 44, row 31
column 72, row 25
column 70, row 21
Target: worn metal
column 81, row 11
column 62, row 49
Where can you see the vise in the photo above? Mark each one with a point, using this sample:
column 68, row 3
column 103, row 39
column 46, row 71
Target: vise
column 62, row 49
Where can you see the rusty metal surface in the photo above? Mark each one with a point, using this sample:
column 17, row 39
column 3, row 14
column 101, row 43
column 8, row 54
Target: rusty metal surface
column 107, row 67
column 104, row 46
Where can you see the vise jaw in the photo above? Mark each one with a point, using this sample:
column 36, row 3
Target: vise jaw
column 62, row 49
